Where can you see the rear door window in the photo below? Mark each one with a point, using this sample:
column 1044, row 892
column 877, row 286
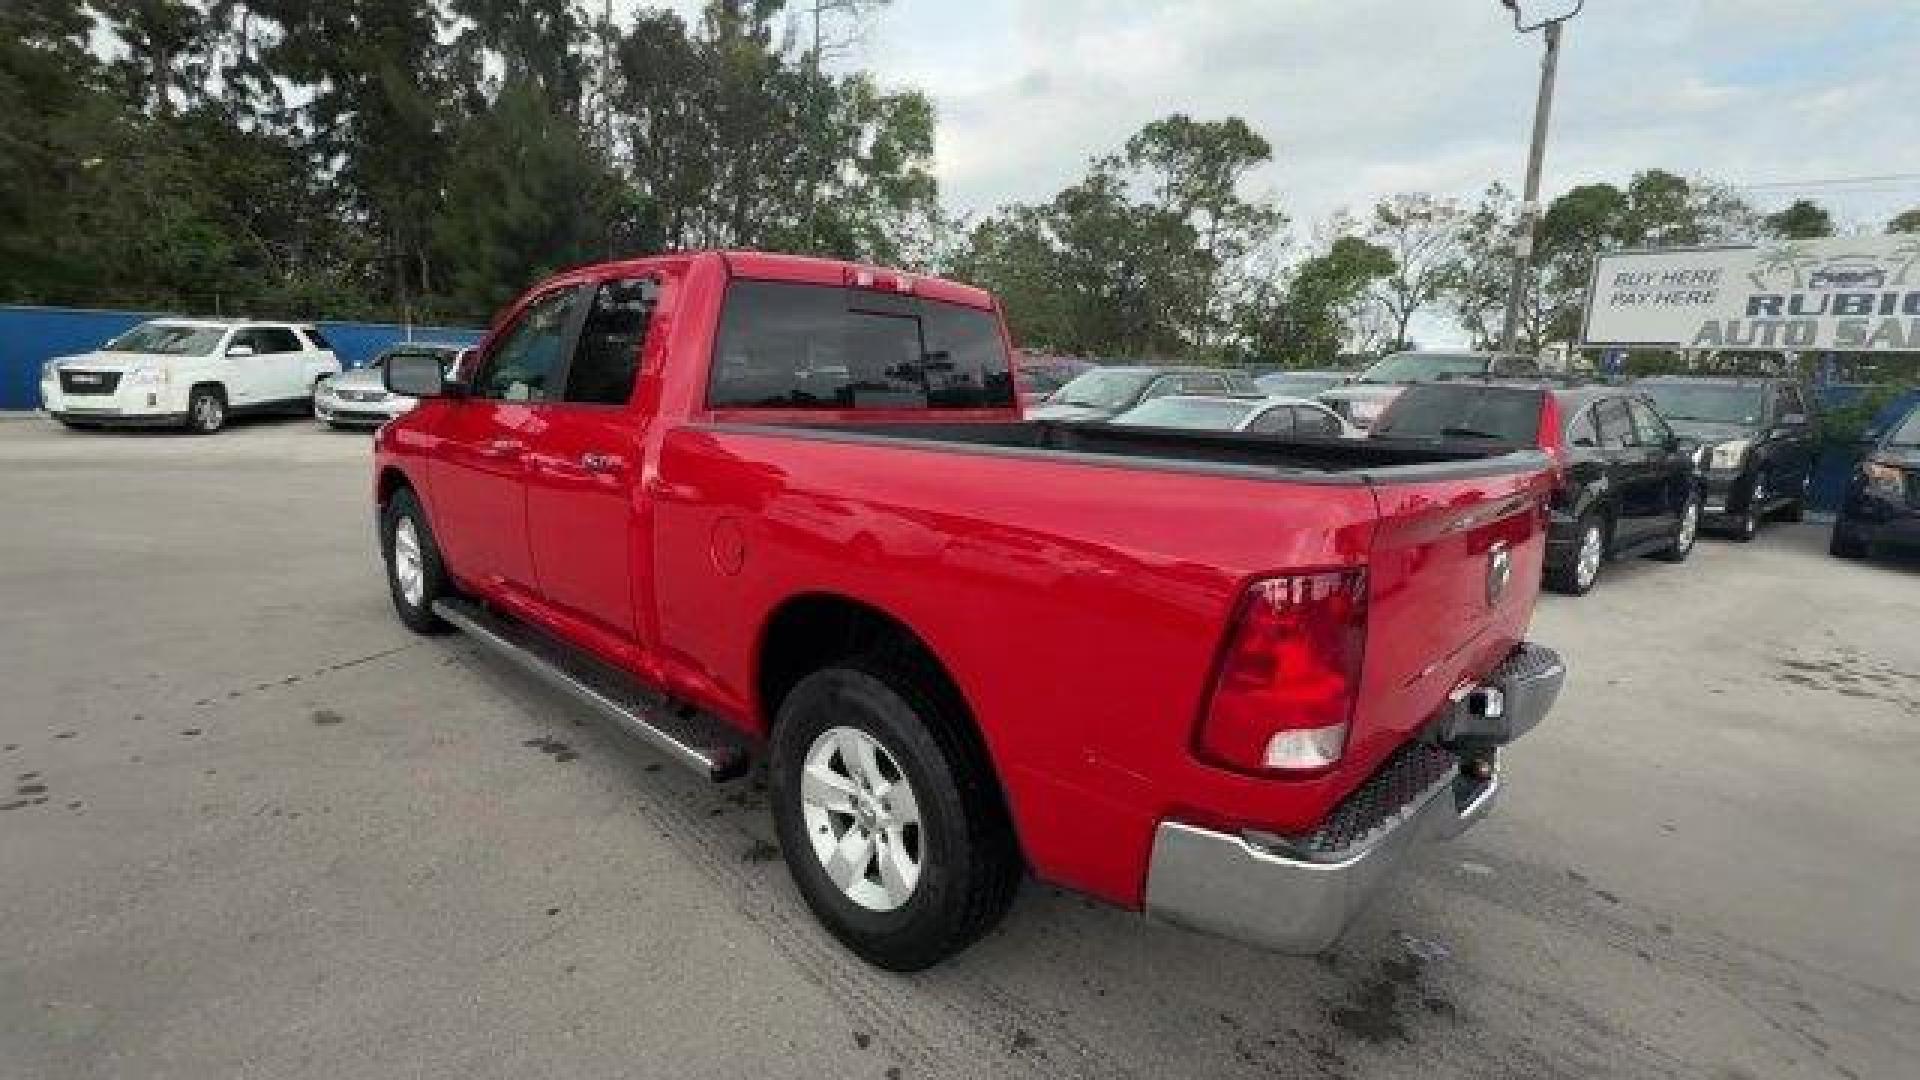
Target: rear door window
column 607, row 357
column 797, row 346
column 1315, row 422
column 275, row 339
column 1648, row 428
column 1581, row 431
column 1615, row 425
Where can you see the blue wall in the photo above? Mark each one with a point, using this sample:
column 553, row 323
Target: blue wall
column 30, row 336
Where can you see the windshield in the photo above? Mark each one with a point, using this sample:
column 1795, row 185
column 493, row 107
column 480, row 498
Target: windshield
column 1703, row 403
column 1451, row 411
column 1286, row 385
column 167, row 339
column 1409, row 367
column 1108, row 389
column 1908, row 433
column 1201, row 413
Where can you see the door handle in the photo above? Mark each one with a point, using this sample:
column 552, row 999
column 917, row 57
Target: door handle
column 502, row 448
column 601, row 463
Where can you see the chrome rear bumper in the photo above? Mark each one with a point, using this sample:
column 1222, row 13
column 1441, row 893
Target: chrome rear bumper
column 1298, row 894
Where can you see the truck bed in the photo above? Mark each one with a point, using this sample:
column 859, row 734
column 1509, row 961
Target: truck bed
column 1321, row 461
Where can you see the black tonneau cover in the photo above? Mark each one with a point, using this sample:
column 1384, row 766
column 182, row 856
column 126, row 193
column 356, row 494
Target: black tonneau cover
column 1335, row 461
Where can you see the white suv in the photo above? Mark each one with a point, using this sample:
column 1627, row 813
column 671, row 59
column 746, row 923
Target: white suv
column 190, row 373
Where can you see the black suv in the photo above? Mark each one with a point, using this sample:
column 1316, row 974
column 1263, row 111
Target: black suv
column 1629, row 484
column 1755, row 439
column 1883, row 496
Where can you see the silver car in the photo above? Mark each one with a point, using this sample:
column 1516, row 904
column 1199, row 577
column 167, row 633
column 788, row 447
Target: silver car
column 359, row 397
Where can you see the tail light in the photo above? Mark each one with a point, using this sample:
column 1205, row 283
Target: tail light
column 1288, row 676
column 1552, row 437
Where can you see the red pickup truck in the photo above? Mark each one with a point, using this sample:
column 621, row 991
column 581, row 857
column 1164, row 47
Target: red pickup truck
column 751, row 505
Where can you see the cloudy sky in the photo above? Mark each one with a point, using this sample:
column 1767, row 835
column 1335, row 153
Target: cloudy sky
column 1365, row 97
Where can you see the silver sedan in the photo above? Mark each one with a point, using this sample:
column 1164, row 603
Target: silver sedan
column 359, row 397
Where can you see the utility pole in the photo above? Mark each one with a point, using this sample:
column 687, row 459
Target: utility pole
column 1525, row 229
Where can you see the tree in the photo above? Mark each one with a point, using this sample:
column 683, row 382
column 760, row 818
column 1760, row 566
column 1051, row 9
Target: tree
column 1803, row 219
column 525, row 196
column 1907, row 221
column 1479, row 277
column 1421, row 234
column 1152, row 253
column 1316, row 315
column 1195, row 169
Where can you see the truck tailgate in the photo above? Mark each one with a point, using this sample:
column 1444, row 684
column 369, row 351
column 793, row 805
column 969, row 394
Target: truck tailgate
column 1452, row 578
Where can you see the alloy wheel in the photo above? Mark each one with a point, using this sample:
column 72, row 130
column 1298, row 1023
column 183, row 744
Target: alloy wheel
column 1592, row 550
column 208, row 413
column 409, row 569
column 862, row 818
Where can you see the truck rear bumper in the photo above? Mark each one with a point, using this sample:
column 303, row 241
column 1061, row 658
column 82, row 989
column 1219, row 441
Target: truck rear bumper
column 1298, row 894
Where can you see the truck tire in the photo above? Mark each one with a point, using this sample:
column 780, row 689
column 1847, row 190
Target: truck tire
column 1578, row 576
column 415, row 575
column 206, row 410
column 1796, row 510
column 902, row 882
column 1747, row 525
column 1684, row 536
column 1846, row 543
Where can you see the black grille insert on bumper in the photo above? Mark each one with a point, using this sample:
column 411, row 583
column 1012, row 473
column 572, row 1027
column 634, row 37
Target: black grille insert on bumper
column 89, row 382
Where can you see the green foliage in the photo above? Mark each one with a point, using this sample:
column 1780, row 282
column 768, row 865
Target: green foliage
column 1907, row 221
column 396, row 158
column 1310, row 322
column 1154, row 252
column 1846, row 425
column 1803, row 219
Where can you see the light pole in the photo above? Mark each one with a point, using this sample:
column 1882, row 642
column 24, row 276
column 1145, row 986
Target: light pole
column 1524, row 229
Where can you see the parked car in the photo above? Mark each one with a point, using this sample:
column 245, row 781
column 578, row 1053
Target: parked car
column 1301, row 384
column 1037, row 378
column 1367, row 396
column 191, row 373
column 1106, row 392
column 1882, row 504
column 1755, row 440
column 359, row 398
column 1284, row 417
column 1230, row 683
column 1628, row 485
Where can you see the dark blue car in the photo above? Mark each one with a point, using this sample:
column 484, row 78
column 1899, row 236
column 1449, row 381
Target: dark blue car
column 1882, row 507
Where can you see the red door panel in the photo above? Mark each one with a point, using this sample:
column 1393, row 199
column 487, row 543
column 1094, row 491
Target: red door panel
column 479, row 493
column 582, row 472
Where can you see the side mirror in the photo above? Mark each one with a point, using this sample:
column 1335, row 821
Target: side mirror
column 415, row 375
column 240, row 350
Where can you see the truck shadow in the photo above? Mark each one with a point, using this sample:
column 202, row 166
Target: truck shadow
column 1424, row 984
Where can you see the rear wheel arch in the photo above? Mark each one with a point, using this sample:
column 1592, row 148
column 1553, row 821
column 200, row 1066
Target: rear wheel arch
column 810, row 631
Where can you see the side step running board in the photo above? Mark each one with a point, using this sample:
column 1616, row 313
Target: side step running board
column 694, row 739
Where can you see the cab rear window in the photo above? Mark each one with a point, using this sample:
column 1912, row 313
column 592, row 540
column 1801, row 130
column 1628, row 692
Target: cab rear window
column 784, row 345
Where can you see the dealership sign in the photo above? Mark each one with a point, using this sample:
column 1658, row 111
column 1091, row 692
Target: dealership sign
column 1850, row 294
